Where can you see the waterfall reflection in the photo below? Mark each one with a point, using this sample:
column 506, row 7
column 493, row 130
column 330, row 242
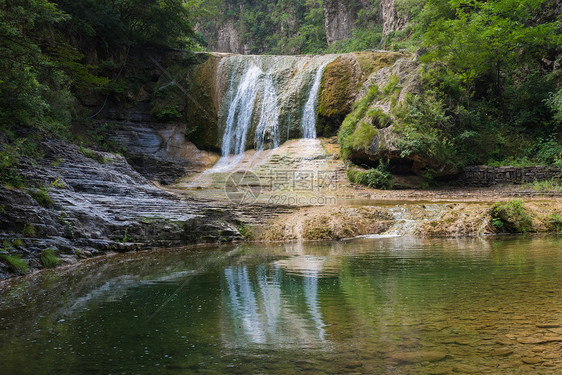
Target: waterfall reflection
column 265, row 305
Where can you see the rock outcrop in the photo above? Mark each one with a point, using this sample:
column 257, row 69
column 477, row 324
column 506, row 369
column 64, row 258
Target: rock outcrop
column 341, row 85
column 389, row 17
column 231, row 35
column 374, row 131
column 340, row 17
column 228, row 39
column 95, row 202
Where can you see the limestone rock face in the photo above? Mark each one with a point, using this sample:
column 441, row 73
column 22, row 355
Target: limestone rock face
column 339, row 19
column 389, row 17
column 228, row 39
column 99, row 203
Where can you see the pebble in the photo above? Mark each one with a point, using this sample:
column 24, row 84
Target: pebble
column 531, row 360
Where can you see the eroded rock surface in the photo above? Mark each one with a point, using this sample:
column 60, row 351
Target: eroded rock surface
column 97, row 206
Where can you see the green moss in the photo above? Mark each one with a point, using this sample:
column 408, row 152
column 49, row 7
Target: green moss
column 363, row 136
column 347, row 129
column 91, row 154
column 28, row 230
column 14, row 261
column 373, row 61
column 378, row 117
column 377, row 178
column 392, row 85
column 246, row 232
column 41, row 196
column 335, row 94
column 50, row 258
column 511, row 217
column 18, row 242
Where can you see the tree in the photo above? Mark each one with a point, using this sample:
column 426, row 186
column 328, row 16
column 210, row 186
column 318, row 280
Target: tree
column 477, row 37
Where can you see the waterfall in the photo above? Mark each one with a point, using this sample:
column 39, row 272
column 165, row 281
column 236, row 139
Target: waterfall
column 269, row 116
column 261, row 95
column 241, row 111
column 308, row 123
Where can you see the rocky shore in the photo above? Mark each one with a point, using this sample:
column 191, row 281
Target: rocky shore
column 81, row 203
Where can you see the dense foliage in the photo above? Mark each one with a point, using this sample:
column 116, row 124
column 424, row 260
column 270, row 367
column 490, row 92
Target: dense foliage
column 491, row 80
column 49, row 49
column 44, row 44
column 490, row 85
column 292, row 26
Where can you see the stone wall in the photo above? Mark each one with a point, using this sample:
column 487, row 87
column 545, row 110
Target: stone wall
column 487, row 176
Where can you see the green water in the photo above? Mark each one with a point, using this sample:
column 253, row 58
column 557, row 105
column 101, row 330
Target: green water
column 391, row 306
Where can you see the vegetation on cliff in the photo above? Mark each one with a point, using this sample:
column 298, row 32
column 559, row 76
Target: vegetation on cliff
column 288, row 26
column 487, row 90
column 54, row 53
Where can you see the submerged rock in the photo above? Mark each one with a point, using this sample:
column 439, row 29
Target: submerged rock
column 419, row 356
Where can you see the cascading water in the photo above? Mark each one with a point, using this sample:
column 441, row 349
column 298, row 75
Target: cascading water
column 308, row 122
column 265, row 94
column 268, row 117
column 264, row 98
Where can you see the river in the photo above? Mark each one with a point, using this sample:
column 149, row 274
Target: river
column 395, row 305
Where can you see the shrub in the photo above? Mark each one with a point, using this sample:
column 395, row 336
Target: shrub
column 28, row 230
column 549, row 150
column 41, row 197
column 246, row 232
column 363, row 136
column 14, row 261
column 556, row 222
column 9, row 162
column 91, row 154
column 511, row 217
column 378, row 178
column 50, row 258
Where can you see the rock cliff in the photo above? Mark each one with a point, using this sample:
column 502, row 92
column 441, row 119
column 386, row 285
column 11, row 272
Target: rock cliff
column 81, row 202
column 233, row 33
column 390, row 18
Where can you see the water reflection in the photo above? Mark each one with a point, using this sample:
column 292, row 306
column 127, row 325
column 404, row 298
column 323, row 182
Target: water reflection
column 363, row 306
column 264, row 307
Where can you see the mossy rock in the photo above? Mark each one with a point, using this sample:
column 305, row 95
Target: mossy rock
column 342, row 81
column 202, row 105
column 511, row 217
column 373, row 61
column 340, row 85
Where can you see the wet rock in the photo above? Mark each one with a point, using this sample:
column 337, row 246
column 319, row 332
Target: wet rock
column 535, row 340
column 501, row 352
column 440, row 371
column 101, row 204
column 466, row 369
column 530, row 340
column 419, row 356
column 531, row 360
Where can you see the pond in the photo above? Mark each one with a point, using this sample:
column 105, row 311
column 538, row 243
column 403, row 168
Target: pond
column 373, row 305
